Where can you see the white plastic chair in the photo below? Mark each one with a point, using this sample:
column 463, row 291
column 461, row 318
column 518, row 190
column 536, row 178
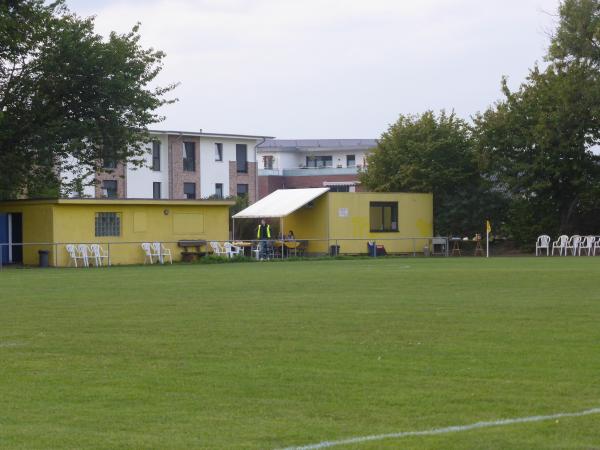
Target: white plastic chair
column 596, row 245
column 73, row 254
column 147, row 248
column 232, row 250
column 561, row 245
column 543, row 242
column 575, row 245
column 587, row 244
column 256, row 250
column 97, row 253
column 161, row 251
column 83, row 251
column 217, row 249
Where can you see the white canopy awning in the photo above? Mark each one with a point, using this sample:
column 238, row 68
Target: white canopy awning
column 280, row 203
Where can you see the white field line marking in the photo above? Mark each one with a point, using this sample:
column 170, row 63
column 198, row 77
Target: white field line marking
column 452, row 429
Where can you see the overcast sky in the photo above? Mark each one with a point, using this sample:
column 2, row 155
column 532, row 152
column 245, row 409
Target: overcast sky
column 330, row 69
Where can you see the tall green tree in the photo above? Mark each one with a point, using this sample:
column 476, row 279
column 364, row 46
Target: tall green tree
column 68, row 97
column 434, row 153
column 538, row 143
column 577, row 37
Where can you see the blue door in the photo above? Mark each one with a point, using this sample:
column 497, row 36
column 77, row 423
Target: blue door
column 4, row 237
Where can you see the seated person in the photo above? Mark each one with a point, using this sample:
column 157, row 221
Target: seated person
column 290, row 236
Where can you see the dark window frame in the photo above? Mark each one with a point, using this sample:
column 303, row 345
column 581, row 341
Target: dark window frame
column 217, row 187
column 237, row 189
column 189, row 156
column 189, row 195
column 270, row 159
column 218, row 151
column 156, row 184
column 393, row 217
column 319, row 161
column 115, row 190
column 350, row 158
column 156, row 156
column 241, row 163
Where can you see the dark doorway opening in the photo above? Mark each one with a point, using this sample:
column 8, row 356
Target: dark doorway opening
column 17, row 237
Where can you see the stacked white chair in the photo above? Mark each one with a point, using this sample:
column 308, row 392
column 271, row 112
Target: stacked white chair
column 73, row 254
column 161, row 252
column 84, row 254
column 97, row 254
column 587, row 245
column 542, row 243
column 217, row 249
column 596, row 245
column 232, row 250
column 148, row 254
column 575, row 245
column 561, row 245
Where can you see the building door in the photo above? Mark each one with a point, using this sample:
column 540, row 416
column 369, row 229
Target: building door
column 11, row 232
column 16, row 238
column 4, row 238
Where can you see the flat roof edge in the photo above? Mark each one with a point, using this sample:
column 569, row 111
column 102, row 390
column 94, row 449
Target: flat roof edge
column 127, row 201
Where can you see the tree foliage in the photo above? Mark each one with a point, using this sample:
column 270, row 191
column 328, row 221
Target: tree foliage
column 577, row 37
column 538, row 142
column 68, row 97
column 430, row 153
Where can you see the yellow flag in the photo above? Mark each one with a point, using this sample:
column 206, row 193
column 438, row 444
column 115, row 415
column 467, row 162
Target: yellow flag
column 488, row 226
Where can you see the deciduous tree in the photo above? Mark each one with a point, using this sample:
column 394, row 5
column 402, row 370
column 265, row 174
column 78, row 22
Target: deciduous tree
column 434, row 153
column 68, row 97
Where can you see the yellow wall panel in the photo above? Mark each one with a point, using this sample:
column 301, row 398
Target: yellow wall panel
column 139, row 222
column 188, row 223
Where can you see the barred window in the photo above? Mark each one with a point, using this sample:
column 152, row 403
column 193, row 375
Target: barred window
column 108, row 224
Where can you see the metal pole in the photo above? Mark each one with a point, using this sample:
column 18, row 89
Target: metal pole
column 108, row 253
column 55, row 255
column 487, row 244
column 414, row 247
column 233, row 230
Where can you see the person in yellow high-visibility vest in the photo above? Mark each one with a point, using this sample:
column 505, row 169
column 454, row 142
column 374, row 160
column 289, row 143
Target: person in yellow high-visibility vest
column 263, row 235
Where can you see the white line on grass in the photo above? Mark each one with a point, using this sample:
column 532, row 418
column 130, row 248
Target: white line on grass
column 452, row 429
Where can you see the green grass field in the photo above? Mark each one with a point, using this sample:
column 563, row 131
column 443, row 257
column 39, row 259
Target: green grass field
column 271, row 355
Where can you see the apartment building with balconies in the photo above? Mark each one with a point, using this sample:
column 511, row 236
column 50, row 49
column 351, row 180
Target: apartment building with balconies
column 185, row 165
column 311, row 163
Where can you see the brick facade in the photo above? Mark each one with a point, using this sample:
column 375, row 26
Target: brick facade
column 178, row 176
column 268, row 184
column 119, row 174
column 249, row 178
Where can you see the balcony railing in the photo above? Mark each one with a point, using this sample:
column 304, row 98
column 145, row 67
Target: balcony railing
column 305, row 172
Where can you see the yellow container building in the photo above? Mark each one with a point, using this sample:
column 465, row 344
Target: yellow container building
column 401, row 222
column 116, row 224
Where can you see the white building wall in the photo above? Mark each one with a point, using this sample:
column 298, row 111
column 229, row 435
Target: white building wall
column 140, row 180
column 212, row 171
column 296, row 159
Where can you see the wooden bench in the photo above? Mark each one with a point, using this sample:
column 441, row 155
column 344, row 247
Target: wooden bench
column 192, row 255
